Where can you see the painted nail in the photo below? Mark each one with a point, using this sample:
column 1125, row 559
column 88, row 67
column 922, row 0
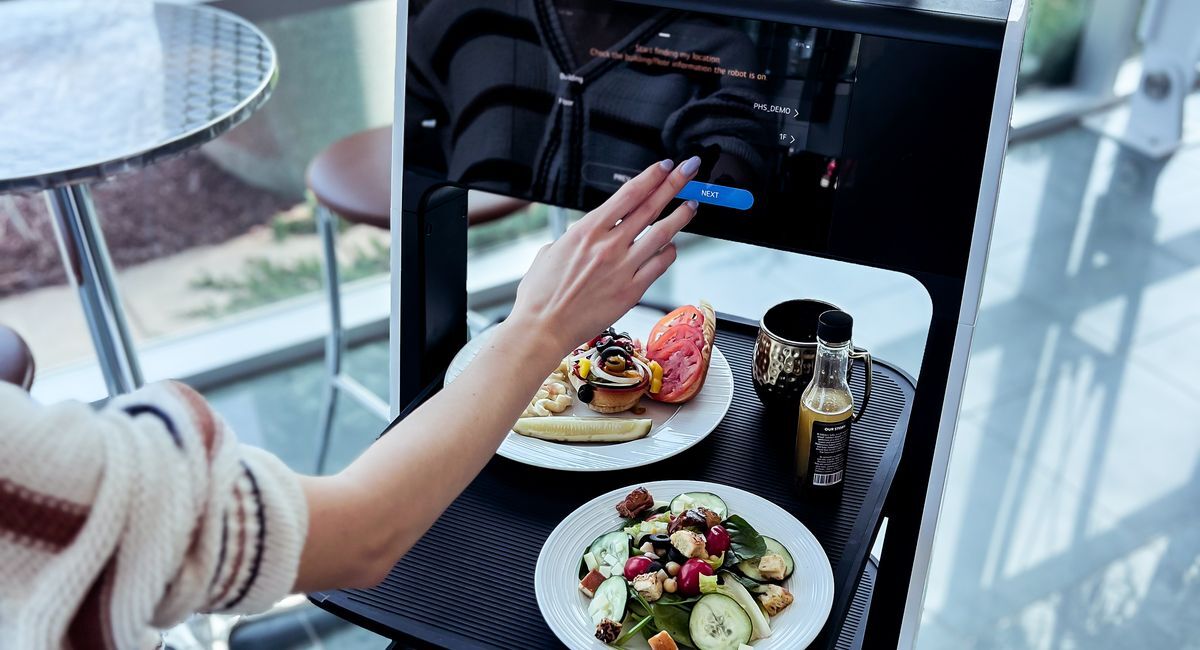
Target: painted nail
column 693, row 204
column 667, row 165
column 690, row 165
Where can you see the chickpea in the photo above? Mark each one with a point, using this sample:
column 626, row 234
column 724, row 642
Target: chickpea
column 670, row 585
column 673, row 568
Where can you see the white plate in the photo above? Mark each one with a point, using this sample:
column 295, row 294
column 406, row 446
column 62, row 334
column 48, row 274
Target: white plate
column 676, row 427
column 556, row 579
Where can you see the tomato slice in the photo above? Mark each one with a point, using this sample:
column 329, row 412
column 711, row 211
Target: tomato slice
column 686, row 315
column 677, row 333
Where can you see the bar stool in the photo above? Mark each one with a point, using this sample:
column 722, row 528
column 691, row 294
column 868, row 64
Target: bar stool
column 351, row 180
column 16, row 360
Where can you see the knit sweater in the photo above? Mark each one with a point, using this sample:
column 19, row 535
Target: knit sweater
column 120, row 522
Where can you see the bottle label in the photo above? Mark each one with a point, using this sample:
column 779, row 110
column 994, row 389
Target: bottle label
column 827, row 456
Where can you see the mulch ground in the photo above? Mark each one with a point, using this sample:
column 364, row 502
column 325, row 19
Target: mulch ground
column 147, row 214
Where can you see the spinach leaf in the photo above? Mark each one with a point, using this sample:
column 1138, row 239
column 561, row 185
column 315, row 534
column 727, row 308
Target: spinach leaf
column 744, row 541
column 676, row 600
column 637, row 609
column 674, row 620
column 632, row 630
column 749, row 584
column 671, row 614
column 638, row 602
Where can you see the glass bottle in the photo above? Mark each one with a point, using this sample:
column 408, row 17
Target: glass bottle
column 826, row 409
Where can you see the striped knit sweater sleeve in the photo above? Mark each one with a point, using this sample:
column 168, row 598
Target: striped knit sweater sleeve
column 117, row 523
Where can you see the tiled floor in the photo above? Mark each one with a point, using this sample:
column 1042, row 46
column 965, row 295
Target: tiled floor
column 1070, row 518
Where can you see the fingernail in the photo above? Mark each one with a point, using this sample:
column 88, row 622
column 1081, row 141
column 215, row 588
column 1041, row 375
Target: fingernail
column 667, row 165
column 690, row 165
column 693, row 204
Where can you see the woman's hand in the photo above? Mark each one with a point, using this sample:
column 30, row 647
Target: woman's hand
column 597, row 271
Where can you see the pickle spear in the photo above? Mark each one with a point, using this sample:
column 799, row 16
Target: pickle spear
column 577, row 429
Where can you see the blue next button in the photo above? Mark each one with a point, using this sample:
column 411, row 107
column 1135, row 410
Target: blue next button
column 727, row 197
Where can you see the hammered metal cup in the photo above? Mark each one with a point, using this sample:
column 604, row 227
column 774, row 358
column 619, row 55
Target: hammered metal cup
column 786, row 351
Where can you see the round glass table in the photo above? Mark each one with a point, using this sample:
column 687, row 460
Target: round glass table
column 92, row 88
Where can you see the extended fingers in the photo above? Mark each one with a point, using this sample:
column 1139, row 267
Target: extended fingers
column 626, row 199
column 654, row 268
column 658, row 199
column 661, row 233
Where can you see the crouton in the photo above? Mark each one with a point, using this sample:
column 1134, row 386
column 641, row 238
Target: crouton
column 688, row 543
column 772, row 567
column 649, row 585
column 662, row 641
column 775, row 599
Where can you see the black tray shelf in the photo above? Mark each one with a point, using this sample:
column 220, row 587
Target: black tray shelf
column 510, row 508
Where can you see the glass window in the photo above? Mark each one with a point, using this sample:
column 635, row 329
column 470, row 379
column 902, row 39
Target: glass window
column 1052, row 41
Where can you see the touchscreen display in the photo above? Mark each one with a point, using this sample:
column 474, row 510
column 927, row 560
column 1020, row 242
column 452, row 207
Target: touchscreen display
column 812, row 139
column 563, row 101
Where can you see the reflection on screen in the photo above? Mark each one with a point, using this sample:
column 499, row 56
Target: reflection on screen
column 563, row 101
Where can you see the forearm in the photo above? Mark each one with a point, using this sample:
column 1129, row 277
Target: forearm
column 365, row 518
column 362, row 520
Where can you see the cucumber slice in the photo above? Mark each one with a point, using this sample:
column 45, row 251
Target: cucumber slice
column 610, row 551
column 759, row 623
column 609, row 601
column 689, row 500
column 749, row 568
column 574, row 429
column 719, row 623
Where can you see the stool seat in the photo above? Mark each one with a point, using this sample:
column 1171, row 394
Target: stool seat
column 16, row 360
column 352, row 178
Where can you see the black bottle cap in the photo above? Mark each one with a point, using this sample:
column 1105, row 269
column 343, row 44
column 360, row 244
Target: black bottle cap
column 834, row 326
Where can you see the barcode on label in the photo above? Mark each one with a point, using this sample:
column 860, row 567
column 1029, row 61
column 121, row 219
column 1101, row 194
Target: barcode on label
column 828, row 479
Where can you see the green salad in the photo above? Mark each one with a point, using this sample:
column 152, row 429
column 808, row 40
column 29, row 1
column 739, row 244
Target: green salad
column 684, row 573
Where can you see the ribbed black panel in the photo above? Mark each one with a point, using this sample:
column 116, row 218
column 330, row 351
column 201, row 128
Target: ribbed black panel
column 508, row 510
column 851, row 637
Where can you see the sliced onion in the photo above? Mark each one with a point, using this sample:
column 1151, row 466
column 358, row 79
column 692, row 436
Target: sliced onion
column 622, row 381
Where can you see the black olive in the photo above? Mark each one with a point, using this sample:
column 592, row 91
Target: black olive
column 585, row 393
column 614, row 351
column 659, row 540
column 675, row 556
column 655, row 567
column 603, row 341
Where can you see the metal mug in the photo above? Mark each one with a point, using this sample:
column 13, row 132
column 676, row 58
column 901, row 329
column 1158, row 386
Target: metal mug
column 786, row 351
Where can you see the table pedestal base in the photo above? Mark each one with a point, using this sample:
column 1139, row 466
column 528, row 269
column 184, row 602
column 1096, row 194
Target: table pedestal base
column 85, row 254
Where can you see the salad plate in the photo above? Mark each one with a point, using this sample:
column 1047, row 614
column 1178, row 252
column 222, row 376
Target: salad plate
column 569, row 612
column 675, row 428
